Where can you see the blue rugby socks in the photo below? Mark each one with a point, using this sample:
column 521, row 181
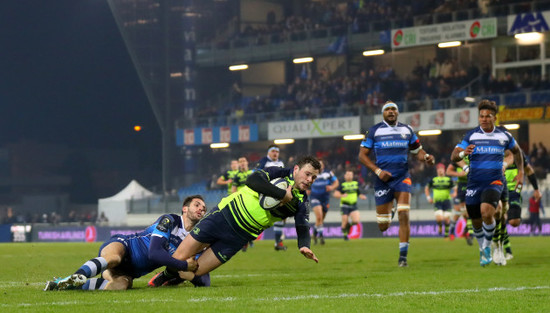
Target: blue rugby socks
column 94, row 284
column 93, row 267
column 403, row 250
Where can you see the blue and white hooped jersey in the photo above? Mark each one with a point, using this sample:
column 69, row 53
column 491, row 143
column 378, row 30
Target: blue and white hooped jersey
column 391, row 145
column 267, row 162
column 486, row 160
column 318, row 188
column 169, row 226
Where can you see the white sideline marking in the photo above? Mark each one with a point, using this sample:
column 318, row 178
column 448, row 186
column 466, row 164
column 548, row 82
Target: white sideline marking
column 8, row 284
column 270, row 299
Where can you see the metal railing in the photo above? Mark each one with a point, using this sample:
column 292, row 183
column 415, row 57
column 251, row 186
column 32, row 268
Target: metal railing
column 287, row 40
column 527, row 97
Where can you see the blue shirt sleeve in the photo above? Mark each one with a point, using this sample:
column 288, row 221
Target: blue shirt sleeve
column 332, row 178
column 368, row 142
column 465, row 142
column 159, row 255
column 511, row 141
column 301, row 220
column 164, row 227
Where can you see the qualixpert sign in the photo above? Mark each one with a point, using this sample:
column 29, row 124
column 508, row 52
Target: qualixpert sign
column 328, row 127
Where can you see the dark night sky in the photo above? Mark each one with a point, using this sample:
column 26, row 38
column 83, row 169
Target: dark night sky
column 66, row 77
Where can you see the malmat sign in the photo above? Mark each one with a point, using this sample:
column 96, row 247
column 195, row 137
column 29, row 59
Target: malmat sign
column 431, row 34
column 327, row 127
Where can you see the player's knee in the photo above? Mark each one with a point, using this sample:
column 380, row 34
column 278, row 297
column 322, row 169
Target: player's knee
column 383, row 226
column 383, row 221
column 113, row 261
column 403, row 212
column 119, row 283
column 514, row 222
column 403, row 208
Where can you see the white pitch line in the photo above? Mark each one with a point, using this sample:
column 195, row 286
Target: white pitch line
column 294, row 298
column 9, row 284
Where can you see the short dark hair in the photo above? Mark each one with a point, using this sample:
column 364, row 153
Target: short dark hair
column 188, row 200
column 488, row 105
column 272, row 146
column 309, row 159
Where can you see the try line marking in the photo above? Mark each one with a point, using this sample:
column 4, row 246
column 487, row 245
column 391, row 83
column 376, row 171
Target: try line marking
column 270, row 299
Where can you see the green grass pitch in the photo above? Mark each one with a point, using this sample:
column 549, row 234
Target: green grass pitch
column 355, row 276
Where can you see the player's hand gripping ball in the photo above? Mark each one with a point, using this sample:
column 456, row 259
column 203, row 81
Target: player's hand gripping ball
column 268, row 203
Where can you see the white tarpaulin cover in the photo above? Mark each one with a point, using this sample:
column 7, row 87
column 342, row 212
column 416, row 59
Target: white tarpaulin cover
column 116, row 207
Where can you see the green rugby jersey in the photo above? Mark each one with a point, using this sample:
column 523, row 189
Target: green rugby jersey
column 458, row 169
column 230, row 175
column 512, row 171
column 352, row 191
column 441, row 186
column 243, row 212
column 240, row 178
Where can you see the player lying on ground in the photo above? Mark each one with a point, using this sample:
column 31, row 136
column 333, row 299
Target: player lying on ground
column 123, row 258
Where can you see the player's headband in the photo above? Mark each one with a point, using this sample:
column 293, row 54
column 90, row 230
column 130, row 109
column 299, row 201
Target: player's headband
column 272, row 149
column 390, row 105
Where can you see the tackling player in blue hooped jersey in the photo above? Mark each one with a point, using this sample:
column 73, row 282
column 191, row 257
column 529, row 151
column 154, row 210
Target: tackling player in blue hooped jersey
column 123, row 258
column 485, row 145
column 391, row 142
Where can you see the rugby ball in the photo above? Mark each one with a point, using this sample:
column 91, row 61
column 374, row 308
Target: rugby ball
column 268, row 203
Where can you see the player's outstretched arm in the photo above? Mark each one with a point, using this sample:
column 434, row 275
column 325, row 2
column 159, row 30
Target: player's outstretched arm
column 259, row 182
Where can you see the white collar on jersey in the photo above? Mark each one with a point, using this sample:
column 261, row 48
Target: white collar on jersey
column 392, row 126
column 488, row 133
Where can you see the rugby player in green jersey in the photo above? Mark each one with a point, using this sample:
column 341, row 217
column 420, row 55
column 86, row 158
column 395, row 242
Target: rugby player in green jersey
column 239, row 218
column 348, row 193
column 511, row 206
column 229, row 176
column 441, row 186
column 240, row 178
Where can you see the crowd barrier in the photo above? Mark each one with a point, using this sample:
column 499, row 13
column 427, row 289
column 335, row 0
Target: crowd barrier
column 92, row 233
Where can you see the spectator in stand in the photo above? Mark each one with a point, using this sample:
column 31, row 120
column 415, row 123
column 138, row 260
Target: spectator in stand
column 535, row 210
column 102, row 219
column 10, row 216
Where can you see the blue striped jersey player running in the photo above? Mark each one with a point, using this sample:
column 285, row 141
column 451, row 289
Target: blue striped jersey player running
column 485, row 146
column 321, row 188
column 391, row 142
